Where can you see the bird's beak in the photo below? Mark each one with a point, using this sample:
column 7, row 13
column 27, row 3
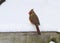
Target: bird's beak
column 30, row 12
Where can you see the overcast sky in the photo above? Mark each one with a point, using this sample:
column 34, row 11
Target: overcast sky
column 14, row 15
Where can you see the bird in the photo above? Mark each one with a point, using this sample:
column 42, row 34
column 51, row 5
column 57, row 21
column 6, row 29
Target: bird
column 34, row 20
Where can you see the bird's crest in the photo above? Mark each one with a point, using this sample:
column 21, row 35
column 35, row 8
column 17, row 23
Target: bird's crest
column 31, row 11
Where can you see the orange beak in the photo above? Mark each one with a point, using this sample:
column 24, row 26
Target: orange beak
column 29, row 12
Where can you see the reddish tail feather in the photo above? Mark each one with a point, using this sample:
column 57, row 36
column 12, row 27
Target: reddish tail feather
column 38, row 31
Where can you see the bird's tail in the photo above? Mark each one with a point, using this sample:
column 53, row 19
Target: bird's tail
column 38, row 31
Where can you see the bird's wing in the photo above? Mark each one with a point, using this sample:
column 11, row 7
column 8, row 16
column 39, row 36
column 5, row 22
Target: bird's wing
column 34, row 19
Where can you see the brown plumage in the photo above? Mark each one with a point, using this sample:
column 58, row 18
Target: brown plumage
column 34, row 20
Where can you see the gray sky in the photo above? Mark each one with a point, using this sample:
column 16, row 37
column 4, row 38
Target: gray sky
column 14, row 15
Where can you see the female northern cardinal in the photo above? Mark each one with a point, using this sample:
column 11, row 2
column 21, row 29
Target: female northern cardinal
column 34, row 20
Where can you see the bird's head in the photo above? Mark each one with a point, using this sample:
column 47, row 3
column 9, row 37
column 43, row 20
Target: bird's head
column 30, row 12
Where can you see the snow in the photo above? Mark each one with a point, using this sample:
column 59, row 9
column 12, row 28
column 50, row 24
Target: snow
column 51, row 42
